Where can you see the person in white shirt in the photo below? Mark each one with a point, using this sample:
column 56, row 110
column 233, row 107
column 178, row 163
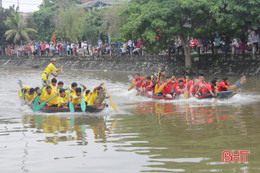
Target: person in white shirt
column 255, row 39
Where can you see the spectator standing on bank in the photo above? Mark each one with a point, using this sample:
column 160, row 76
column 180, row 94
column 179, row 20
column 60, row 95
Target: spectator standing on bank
column 217, row 43
column 205, row 43
column 255, row 39
column 129, row 46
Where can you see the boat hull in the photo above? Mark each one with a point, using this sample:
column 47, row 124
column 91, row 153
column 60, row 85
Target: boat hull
column 89, row 108
column 220, row 95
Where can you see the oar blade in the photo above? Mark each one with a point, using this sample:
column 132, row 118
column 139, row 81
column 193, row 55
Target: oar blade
column 113, row 105
column 131, row 87
column 36, row 102
column 39, row 107
column 159, row 89
column 83, row 105
column 70, row 104
column 186, row 94
column 71, row 107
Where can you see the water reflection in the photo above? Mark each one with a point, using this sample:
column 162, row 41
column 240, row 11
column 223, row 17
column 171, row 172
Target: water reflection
column 188, row 114
column 67, row 128
column 184, row 137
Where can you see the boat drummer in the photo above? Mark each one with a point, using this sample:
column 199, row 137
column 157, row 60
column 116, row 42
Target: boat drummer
column 51, row 70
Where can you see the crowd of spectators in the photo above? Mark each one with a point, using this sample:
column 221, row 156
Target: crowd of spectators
column 220, row 43
column 63, row 48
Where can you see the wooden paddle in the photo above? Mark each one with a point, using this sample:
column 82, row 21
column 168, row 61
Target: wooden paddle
column 197, row 91
column 161, row 87
column 38, row 97
column 42, row 104
column 111, row 101
column 136, row 83
column 83, row 103
column 70, row 104
column 22, row 98
column 216, row 93
column 158, row 79
column 186, row 90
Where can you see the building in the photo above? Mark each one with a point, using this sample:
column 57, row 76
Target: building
column 90, row 5
column 0, row 3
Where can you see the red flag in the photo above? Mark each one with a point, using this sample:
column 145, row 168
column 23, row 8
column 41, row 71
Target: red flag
column 54, row 41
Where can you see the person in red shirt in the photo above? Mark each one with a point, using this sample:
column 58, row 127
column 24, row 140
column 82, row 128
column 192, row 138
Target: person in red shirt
column 177, row 83
column 167, row 90
column 139, row 43
column 194, row 89
column 190, row 83
column 209, row 88
column 137, row 79
column 202, row 83
column 147, row 86
column 180, row 88
column 224, row 84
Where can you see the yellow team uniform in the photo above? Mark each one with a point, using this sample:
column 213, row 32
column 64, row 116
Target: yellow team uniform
column 41, row 99
column 47, row 72
column 54, row 88
column 93, row 97
column 76, row 102
column 21, row 92
column 62, row 100
column 53, row 101
column 72, row 94
column 29, row 97
column 86, row 98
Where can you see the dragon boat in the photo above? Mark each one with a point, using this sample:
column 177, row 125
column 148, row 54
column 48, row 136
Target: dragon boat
column 232, row 90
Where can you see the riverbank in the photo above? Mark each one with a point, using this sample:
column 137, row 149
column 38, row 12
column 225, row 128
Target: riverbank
column 231, row 65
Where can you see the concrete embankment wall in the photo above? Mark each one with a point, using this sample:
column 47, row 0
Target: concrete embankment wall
column 208, row 64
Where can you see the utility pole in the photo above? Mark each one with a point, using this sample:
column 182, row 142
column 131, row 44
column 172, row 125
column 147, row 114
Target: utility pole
column 18, row 5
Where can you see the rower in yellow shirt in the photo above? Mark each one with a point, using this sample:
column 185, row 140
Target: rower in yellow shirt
column 95, row 93
column 76, row 100
column 53, row 84
column 25, row 89
column 49, row 94
column 60, row 86
column 63, row 99
column 87, row 96
column 73, row 87
column 30, row 95
column 50, row 69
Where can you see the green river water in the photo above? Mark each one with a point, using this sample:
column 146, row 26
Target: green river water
column 144, row 136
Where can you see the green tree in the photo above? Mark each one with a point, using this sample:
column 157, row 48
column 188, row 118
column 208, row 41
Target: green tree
column 238, row 13
column 69, row 21
column 4, row 13
column 18, row 30
column 43, row 20
column 179, row 18
column 112, row 20
column 93, row 26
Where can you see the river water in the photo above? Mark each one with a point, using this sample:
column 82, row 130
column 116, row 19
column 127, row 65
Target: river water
column 144, row 136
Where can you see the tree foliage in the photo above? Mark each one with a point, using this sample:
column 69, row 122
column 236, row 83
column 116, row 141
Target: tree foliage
column 69, row 21
column 17, row 28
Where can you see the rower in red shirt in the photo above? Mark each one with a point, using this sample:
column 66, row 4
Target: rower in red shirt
column 137, row 79
column 190, row 83
column 167, row 90
column 147, row 86
column 177, row 83
column 224, row 84
column 209, row 88
column 180, row 88
column 194, row 89
column 202, row 83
